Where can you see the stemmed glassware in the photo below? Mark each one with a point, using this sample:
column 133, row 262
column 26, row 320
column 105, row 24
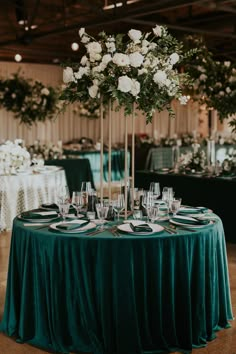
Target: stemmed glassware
column 119, row 205
column 86, row 188
column 175, row 205
column 102, row 211
column 155, row 189
column 77, row 201
column 63, row 200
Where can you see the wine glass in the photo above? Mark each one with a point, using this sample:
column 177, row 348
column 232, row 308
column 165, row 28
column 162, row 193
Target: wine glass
column 119, row 205
column 153, row 213
column 175, row 205
column 86, row 188
column 77, row 201
column 102, row 211
column 64, row 207
column 63, row 195
column 155, row 189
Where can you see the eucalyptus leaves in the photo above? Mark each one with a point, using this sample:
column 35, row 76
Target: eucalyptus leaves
column 29, row 101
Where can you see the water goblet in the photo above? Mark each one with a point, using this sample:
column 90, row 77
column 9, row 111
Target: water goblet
column 175, row 205
column 64, row 209
column 119, row 205
column 77, row 201
column 153, row 213
column 155, row 189
column 102, row 211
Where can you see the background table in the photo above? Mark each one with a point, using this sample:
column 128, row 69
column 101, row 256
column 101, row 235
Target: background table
column 216, row 193
column 103, row 294
column 27, row 191
column 77, row 171
column 117, row 162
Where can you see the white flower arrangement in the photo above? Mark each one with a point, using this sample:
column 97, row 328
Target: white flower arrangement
column 13, row 157
column 194, row 160
column 140, row 70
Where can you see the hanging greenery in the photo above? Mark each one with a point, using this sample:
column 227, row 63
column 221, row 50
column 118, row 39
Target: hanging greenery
column 29, row 100
column 214, row 81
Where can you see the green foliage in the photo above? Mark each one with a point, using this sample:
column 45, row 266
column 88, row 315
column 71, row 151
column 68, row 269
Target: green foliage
column 29, row 101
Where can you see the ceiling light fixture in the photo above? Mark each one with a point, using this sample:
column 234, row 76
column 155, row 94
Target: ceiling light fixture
column 18, row 58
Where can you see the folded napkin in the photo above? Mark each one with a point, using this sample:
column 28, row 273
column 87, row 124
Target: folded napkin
column 39, row 214
column 141, row 228
column 71, row 225
column 50, row 206
column 192, row 210
column 190, row 220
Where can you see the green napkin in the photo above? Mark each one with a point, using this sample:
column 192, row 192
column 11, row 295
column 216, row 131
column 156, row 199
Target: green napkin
column 192, row 210
column 141, row 228
column 53, row 206
column 36, row 214
column 71, row 226
column 190, row 221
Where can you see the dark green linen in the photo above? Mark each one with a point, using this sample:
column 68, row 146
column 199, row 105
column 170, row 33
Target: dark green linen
column 210, row 192
column 35, row 214
column 71, row 226
column 117, row 163
column 125, row 295
column 141, row 228
column 190, row 220
column 76, row 170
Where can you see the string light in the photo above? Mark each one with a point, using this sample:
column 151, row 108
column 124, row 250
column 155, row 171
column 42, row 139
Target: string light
column 74, row 46
column 18, row 58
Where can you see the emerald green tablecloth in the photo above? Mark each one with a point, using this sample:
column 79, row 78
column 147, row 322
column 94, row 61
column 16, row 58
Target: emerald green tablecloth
column 122, row 295
column 76, row 170
column 117, row 163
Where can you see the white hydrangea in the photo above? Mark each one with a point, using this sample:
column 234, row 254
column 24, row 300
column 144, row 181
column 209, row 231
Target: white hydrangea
column 160, row 77
column 174, row 58
column 157, row 31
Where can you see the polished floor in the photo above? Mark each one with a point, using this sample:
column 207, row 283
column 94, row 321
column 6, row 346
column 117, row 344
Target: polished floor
column 225, row 343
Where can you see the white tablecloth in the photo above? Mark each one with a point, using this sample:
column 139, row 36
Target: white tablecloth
column 28, row 191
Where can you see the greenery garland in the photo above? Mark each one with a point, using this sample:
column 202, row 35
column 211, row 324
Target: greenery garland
column 214, row 81
column 30, row 101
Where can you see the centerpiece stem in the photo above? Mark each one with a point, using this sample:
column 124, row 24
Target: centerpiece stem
column 133, row 156
column 126, row 166
column 109, row 149
column 101, row 150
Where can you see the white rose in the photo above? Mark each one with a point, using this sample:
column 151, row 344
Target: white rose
column 68, row 75
column 93, row 90
column 85, row 39
column 221, row 93
column 135, row 35
column 83, row 60
column 136, row 59
column 227, row 63
column 111, row 47
column 45, row 91
column 124, row 84
column 203, row 77
column 13, row 95
column 183, row 100
column 82, row 71
column 157, row 31
column 121, row 59
column 228, row 89
column 81, row 32
column 160, row 77
column 106, row 59
column 174, row 58
column 135, row 88
column 94, row 47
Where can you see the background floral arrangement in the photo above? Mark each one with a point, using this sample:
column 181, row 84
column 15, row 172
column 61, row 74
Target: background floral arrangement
column 228, row 166
column 214, row 81
column 135, row 68
column 30, row 101
column 45, row 151
column 193, row 160
column 13, row 157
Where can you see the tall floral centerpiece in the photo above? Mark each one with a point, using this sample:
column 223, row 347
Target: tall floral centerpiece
column 135, row 71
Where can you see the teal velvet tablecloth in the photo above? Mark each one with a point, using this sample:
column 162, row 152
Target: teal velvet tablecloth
column 117, row 295
column 76, row 170
column 117, row 163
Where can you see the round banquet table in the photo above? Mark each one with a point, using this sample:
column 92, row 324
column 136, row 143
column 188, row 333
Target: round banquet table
column 125, row 295
column 27, row 191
